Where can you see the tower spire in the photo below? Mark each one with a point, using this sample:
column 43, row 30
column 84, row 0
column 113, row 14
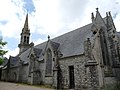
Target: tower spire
column 25, row 36
column 26, row 23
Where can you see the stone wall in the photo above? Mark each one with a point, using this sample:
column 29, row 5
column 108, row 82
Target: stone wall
column 14, row 74
column 79, row 71
column 42, row 70
column 24, row 71
column 10, row 75
column 4, row 75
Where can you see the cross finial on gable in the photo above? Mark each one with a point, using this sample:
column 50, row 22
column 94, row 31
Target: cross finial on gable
column 97, row 9
column 48, row 37
column 92, row 16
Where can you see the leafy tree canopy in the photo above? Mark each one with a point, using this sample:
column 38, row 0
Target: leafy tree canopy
column 2, row 51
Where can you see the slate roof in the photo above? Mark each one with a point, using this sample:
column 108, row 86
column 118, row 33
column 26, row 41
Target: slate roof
column 72, row 42
column 37, row 52
column 14, row 61
column 55, row 45
column 25, row 55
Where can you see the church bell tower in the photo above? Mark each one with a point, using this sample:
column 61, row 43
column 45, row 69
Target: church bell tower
column 25, row 37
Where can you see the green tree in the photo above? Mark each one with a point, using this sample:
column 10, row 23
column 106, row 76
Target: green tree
column 2, row 51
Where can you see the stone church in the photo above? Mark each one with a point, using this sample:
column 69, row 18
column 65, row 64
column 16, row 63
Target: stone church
column 87, row 58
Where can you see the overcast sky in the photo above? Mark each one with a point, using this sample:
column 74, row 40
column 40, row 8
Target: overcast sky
column 49, row 17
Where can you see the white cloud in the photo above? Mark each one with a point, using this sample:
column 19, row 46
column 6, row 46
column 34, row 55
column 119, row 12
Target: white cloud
column 12, row 52
column 38, row 41
column 46, row 18
column 9, row 11
column 117, row 22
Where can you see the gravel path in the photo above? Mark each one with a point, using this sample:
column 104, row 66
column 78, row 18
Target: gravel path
column 16, row 86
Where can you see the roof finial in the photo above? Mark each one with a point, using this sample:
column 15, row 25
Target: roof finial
column 97, row 8
column 109, row 13
column 106, row 14
column 48, row 37
column 92, row 16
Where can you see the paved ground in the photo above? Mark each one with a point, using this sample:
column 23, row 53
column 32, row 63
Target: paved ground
column 16, row 86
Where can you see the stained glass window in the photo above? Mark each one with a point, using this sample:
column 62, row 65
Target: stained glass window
column 49, row 63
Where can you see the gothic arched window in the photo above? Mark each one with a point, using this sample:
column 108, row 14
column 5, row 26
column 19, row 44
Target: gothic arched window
column 24, row 39
column 48, row 63
column 104, row 47
column 27, row 39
